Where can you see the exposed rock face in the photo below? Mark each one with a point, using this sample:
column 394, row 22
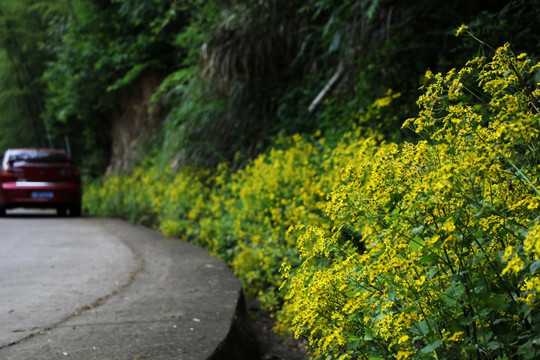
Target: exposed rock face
column 133, row 126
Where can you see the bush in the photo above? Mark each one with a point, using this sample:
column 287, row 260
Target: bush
column 450, row 225
column 137, row 197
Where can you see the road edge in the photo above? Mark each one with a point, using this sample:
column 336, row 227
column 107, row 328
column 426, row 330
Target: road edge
column 241, row 342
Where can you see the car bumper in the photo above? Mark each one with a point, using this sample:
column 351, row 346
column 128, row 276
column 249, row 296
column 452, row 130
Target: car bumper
column 39, row 194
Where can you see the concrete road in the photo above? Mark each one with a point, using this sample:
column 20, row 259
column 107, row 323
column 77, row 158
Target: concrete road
column 50, row 267
column 89, row 288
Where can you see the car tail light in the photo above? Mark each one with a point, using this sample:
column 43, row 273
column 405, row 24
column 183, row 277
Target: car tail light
column 12, row 174
column 14, row 171
column 69, row 172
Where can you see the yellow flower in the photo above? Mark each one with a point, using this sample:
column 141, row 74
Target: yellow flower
column 404, row 354
column 515, row 265
column 456, row 337
column 449, row 225
column 461, row 29
column 403, row 339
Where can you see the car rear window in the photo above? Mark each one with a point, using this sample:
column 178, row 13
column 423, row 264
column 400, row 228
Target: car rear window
column 37, row 156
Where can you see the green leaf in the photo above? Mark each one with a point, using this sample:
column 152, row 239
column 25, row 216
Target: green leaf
column 432, row 347
column 535, row 266
column 368, row 336
column 335, row 42
column 416, row 243
column 528, row 350
column 428, row 258
column 417, row 230
column 495, row 301
column 466, row 321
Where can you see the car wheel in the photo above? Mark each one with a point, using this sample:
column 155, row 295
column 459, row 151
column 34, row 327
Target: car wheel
column 2, row 211
column 75, row 210
column 61, row 211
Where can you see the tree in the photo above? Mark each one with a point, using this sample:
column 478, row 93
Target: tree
column 21, row 30
column 98, row 54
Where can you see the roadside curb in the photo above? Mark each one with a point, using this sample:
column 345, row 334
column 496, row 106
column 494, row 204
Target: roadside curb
column 241, row 342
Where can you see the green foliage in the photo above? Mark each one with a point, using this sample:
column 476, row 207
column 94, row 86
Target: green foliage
column 17, row 129
column 21, row 29
column 251, row 71
column 255, row 70
column 24, row 38
column 97, row 54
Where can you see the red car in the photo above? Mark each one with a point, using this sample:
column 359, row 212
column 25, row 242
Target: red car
column 40, row 178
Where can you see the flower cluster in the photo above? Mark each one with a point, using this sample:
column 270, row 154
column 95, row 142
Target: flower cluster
column 450, row 265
